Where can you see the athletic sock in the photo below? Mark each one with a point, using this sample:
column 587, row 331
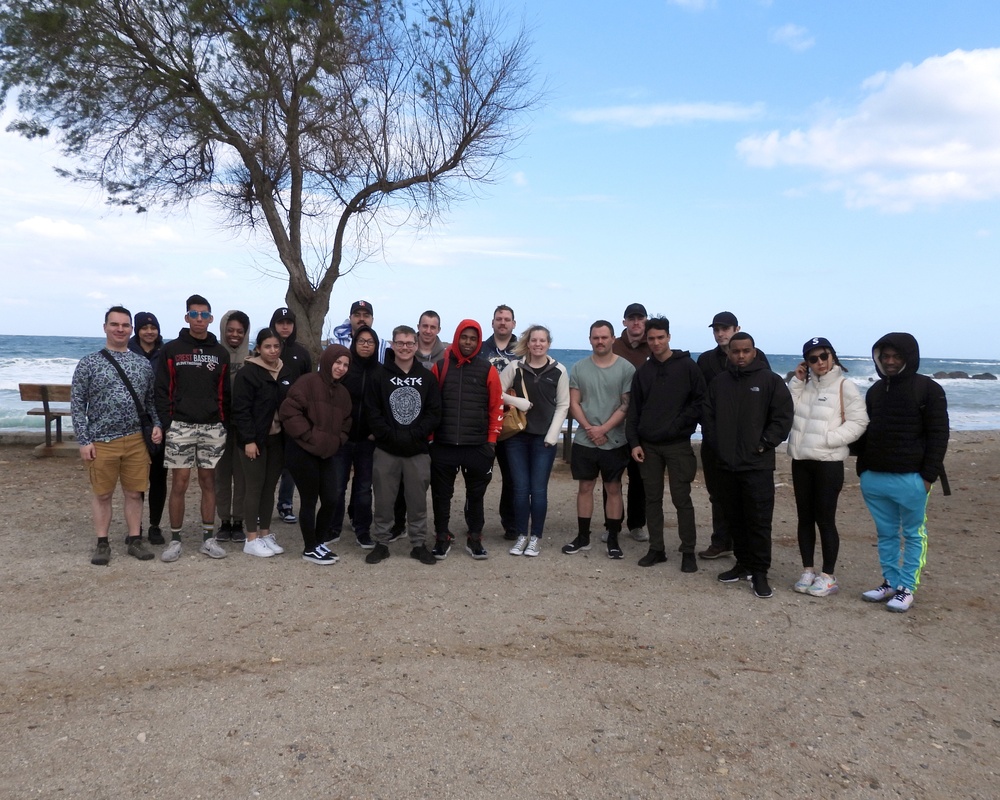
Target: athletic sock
column 175, row 534
column 207, row 530
column 583, row 526
column 615, row 526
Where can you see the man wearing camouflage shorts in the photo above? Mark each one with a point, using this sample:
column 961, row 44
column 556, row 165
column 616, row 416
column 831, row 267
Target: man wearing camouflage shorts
column 192, row 401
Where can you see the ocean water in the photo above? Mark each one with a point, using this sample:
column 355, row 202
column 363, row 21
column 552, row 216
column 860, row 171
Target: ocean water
column 972, row 404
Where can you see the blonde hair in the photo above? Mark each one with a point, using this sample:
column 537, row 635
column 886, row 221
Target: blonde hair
column 521, row 348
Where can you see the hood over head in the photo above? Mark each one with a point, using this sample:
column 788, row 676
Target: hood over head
column 238, row 354
column 906, row 344
column 453, row 347
column 331, row 354
column 364, row 361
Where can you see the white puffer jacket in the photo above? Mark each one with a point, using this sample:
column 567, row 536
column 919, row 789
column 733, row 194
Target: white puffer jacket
column 818, row 434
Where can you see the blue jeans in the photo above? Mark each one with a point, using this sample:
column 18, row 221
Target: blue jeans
column 360, row 456
column 530, row 465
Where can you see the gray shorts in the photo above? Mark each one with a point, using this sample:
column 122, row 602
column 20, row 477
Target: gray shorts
column 192, row 445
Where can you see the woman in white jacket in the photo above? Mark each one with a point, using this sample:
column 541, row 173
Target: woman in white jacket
column 829, row 415
column 539, row 386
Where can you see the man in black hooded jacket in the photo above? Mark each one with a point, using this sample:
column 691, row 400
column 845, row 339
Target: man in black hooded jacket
column 900, row 457
column 297, row 359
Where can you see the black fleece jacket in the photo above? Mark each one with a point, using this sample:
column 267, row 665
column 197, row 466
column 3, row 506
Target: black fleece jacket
column 666, row 400
column 403, row 409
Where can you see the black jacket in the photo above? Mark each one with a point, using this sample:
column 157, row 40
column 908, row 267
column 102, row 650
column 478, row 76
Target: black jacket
column 714, row 362
column 908, row 417
column 192, row 380
column 256, row 397
column 747, row 413
column 402, row 409
column 360, row 374
column 293, row 355
column 666, row 400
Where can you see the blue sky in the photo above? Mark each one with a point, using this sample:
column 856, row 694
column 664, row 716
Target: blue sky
column 826, row 169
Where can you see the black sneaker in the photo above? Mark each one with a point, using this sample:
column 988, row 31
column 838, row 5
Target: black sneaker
column 474, row 547
column 688, row 562
column 239, row 535
column 652, row 557
column 441, row 548
column 614, row 549
column 396, row 532
column 380, row 553
column 102, row 554
column 225, row 533
column 761, row 587
column 737, row 573
column 365, row 541
column 319, row 555
column 578, row 544
column 155, row 535
column 423, row 555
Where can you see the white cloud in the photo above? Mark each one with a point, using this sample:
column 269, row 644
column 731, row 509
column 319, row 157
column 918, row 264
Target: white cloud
column 520, row 179
column 216, row 273
column 658, row 114
column 795, row 37
column 53, row 228
column 922, row 135
column 96, row 295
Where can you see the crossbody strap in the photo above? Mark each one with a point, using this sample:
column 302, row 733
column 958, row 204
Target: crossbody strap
column 128, row 384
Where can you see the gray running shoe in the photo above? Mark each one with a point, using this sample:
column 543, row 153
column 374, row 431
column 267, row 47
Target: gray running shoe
column 173, row 551
column 212, row 549
column 639, row 534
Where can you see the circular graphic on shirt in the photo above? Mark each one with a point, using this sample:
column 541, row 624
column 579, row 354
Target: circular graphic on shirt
column 404, row 403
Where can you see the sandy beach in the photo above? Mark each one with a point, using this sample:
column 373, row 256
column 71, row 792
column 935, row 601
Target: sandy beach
column 556, row 677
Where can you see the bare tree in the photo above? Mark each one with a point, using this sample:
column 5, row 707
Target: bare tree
column 314, row 122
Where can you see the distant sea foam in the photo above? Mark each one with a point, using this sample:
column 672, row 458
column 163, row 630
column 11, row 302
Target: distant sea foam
column 972, row 404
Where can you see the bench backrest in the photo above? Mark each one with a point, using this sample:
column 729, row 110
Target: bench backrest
column 45, row 392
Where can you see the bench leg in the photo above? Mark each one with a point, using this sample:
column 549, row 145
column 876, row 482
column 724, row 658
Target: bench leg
column 58, row 430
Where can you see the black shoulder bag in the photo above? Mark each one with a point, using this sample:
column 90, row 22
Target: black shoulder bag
column 145, row 418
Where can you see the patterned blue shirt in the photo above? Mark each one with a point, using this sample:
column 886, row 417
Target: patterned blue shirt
column 101, row 405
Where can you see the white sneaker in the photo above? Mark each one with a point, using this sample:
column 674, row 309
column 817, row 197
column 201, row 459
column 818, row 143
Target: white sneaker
column 519, row 545
column 803, row 583
column 212, row 549
column 173, row 551
column 639, row 534
column 901, row 600
column 823, row 586
column 272, row 544
column 257, row 547
column 534, row 547
column 879, row 593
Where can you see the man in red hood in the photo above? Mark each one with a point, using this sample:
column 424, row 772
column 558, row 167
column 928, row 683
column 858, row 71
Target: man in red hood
column 471, row 418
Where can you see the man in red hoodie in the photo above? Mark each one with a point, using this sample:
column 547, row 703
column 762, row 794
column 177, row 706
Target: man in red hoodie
column 471, row 418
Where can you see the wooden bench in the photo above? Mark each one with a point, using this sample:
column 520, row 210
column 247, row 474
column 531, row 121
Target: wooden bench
column 48, row 393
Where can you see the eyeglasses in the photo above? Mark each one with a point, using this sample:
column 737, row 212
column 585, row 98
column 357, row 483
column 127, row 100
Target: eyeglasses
column 200, row 314
column 404, row 344
column 366, row 342
column 824, row 356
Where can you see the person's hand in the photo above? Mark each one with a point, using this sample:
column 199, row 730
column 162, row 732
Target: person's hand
column 157, row 435
column 927, row 486
column 251, row 451
column 801, row 371
column 638, row 454
column 88, row 452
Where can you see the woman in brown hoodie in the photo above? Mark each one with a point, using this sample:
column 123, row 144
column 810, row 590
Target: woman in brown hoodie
column 315, row 418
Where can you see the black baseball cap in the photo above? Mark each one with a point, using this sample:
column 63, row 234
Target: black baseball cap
column 726, row 319
column 817, row 341
column 362, row 305
column 635, row 310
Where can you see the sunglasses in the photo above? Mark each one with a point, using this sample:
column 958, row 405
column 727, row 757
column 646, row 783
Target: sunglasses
column 825, row 356
column 200, row 314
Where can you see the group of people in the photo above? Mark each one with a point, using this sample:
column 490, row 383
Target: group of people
column 381, row 422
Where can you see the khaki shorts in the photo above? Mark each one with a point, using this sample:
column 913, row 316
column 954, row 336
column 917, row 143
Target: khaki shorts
column 192, row 445
column 126, row 458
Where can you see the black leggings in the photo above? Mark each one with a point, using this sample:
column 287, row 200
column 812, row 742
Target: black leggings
column 316, row 479
column 817, row 487
column 157, row 488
